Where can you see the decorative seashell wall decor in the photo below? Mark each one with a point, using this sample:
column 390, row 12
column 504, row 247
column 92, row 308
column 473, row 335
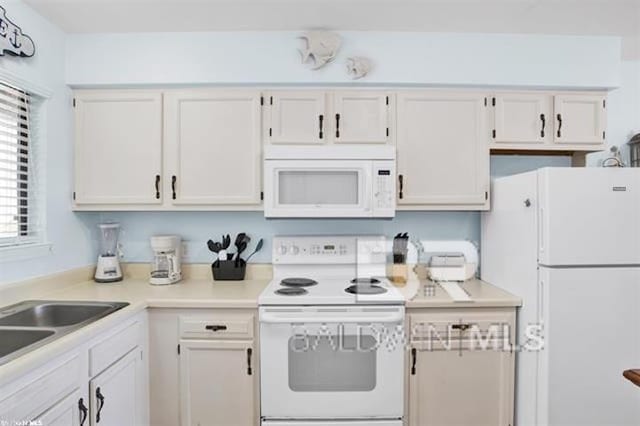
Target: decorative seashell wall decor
column 321, row 47
column 358, row 66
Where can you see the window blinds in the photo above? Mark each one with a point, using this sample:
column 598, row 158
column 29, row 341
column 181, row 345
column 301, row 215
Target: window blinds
column 19, row 219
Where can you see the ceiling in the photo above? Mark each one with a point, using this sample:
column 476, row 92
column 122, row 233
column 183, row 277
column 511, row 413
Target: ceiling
column 580, row 17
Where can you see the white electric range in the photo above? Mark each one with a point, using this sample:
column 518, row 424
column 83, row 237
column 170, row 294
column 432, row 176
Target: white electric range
column 331, row 335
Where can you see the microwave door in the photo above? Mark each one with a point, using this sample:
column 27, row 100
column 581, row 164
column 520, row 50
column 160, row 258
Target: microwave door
column 318, row 188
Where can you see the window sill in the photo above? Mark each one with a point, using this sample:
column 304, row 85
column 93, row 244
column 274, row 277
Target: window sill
column 24, row 252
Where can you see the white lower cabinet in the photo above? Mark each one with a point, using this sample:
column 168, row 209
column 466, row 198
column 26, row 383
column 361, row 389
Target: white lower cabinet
column 217, row 383
column 115, row 393
column 71, row 411
column 204, row 367
column 100, row 382
column 453, row 380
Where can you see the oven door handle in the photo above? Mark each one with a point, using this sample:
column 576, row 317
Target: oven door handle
column 391, row 318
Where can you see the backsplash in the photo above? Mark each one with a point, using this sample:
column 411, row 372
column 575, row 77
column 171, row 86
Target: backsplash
column 197, row 227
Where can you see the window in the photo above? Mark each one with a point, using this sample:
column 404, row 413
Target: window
column 19, row 219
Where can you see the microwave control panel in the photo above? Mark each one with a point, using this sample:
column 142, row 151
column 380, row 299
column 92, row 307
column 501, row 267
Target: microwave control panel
column 384, row 188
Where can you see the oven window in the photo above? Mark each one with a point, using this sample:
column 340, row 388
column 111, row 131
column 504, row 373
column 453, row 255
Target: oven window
column 318, row 187
column 323, row 364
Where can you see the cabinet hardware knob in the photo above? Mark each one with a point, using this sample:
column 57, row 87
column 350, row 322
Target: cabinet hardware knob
column 414, row 355
column 559, row 117
column 157, row 187
column 544, row 124
column 215, row 327
column 100, row 397
column 527, row 203
column 401, row 181
column 84, row 411
column 337, row 125
column 320, row 121
column 249, row 354
column 173, row 185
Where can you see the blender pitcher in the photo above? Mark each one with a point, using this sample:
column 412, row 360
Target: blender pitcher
column 108, row 269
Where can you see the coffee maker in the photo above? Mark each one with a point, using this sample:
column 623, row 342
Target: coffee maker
column 167, row 253
column 108, row 267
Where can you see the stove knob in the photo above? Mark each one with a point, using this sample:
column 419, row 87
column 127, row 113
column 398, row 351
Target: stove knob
column 294, row 250
column 282, row 249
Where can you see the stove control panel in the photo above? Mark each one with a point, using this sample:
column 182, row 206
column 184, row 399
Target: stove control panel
column 328, row 249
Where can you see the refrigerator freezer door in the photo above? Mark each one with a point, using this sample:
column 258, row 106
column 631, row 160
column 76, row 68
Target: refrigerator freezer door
column 592, row 330
column 589, row 216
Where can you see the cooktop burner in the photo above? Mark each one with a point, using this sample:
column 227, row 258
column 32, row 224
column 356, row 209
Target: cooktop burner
column 365, row 281
column 291, row 291
column 298, row 282
column 365, row 289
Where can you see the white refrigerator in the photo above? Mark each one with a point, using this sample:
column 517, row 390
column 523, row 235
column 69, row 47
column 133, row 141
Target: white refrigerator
column 567, row 241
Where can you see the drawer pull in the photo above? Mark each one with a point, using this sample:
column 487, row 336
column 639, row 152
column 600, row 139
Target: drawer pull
column 100, row 397
column 216, row 327
column 84, row 411
column 461, row 327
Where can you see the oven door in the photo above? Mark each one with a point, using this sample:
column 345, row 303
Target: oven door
column 332, row 362
column 318, row 188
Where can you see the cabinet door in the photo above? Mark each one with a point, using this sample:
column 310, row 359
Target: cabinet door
column 298, row 117
column 523, row 118
column 116, row 393
column 580, row 119
column 452, row 388
column 71, row 411
column 213, row 147
column 361, row 117
column 217, row 383
column 118, row 147
column 443, row 151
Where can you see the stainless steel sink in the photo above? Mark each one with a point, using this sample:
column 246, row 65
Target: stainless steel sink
column 28, row 325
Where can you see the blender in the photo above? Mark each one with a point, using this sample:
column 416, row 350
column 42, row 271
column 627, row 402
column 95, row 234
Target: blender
column 108, row 268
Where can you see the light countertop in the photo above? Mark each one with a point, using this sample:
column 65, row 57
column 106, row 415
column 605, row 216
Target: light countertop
column 197, row 290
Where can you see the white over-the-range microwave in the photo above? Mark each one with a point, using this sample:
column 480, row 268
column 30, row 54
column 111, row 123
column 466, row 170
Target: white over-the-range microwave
column 330, row 181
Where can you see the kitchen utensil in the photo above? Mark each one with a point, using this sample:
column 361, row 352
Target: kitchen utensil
column 214, row 247
column 242, row 240
column 257, row 249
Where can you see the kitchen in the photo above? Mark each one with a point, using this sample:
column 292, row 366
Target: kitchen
column 464, row 137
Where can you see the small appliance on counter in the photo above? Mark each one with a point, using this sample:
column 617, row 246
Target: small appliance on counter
column 167, row 254
column 108, row 268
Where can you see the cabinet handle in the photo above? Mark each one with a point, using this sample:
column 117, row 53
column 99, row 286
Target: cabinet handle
column 100, row 403
column 337, row 125
column 249, row 369
column 401, row 181
column 84, row 411
column 559, row 125
column 215, row 327
column 173, row 185
column 461, row 327
column 544, row 124
column 320, row 120
column 157, row 187
column 414, row 356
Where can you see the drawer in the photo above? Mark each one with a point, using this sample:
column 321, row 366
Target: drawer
column 114, row 347
column 222, row 326
column 464, row 329
column 43, row 393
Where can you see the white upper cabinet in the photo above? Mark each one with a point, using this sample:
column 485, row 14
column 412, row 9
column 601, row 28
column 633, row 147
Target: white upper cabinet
column 580, row 119
column 523, row 118
column 297, row 117
column 213, row 147
column 361, row 117
column 443, row 152
column 118, row 147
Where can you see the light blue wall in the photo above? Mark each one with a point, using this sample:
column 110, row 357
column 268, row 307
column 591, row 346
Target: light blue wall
column 197, row 227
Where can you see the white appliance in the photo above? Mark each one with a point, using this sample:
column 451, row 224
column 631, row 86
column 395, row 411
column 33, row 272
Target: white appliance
column 108, row 267
column 329, row 356
column 167, row 253
column 567, row 240
column 329, row 181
